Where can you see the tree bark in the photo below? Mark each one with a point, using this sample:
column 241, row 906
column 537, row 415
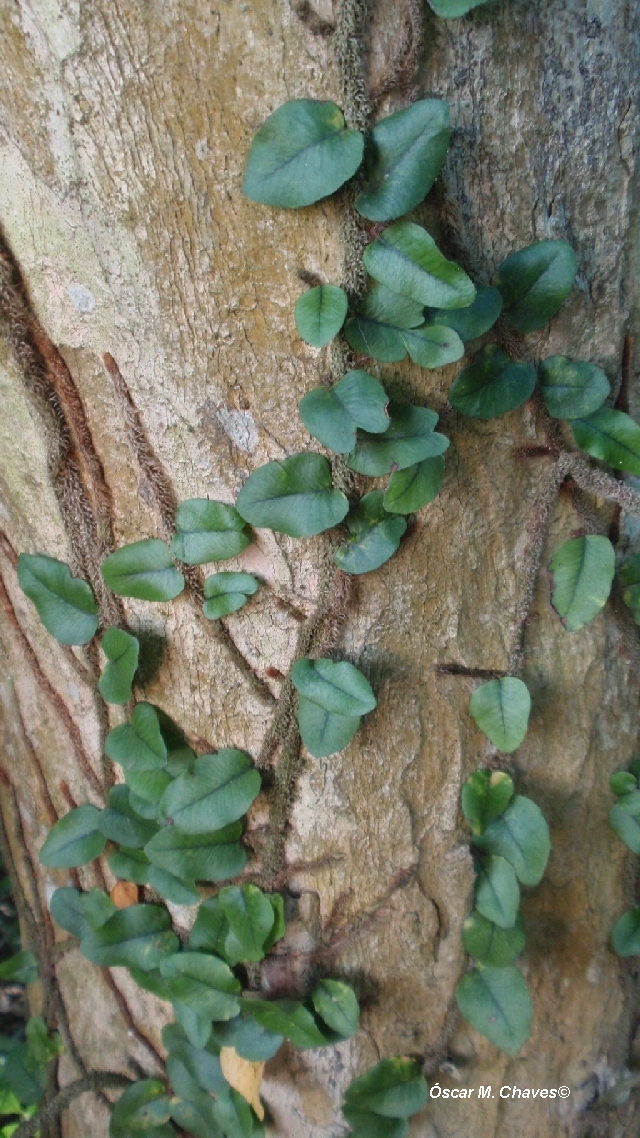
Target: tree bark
column 149, row 355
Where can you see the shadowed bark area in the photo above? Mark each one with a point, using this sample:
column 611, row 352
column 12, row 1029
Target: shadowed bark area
column 148, row 354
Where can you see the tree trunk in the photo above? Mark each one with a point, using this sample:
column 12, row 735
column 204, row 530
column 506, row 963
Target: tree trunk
column 149, row 355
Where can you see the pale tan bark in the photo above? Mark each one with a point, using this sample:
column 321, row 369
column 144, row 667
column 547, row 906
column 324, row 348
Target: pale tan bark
column 124, row 131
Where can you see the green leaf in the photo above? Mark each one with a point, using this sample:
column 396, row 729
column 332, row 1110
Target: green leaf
column 235, row 1117
column 140, row 937
column 521, row 835
column 144, row 1106
column 122, row 652
column 152, row 981
column 144, row 570
column 210, row 928
column 208, row 531
column 630, row 570
column 323, row 732
column 501, row 709
column 295, row 496
column 497, row 892
column 394, row 1088
column 219, row 790
column 335, row 686
column 414, row 487
column 65, row 604
column 147, row 785
column 193, row 1112
column 120, row 823
column 489, row 943
column 410, row 438
column 625, row 934
column 320, row 313
column 582, row 574
column 287, row 1018
column 249, row 1039
column 22, row 968
column 226, row 593
column 302, row 153
column 331, row 414
column 336, row 1003
column 24, row 1075
column 433, row 345
column 535, row 282
column 496, row 1002
column 74, row 840
column 485, row 795
column 250, row 917
column 139, row 742
column 375, row 536
column 407, row 260
column 130, row 865
column 202, row 1064
column 610, row 436
column 451, row 9
column 388, row 326
column 43, row 1046
column 404, row 157
column 623, row 782
column 196, row 1026
column 77, row 913
column 624, row 819
column 366, row 1125
column 572, row 389
column 492, row 385
column 215, row 856
column 177, row 890
column 202, row 982
column 473, row 320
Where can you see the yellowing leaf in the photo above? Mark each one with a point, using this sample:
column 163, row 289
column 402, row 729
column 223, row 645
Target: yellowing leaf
column 244, row 1076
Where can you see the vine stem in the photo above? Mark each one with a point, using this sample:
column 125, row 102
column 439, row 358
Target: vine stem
column 93, row 1081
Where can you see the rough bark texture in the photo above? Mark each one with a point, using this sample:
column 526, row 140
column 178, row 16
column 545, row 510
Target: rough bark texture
column 123, row 132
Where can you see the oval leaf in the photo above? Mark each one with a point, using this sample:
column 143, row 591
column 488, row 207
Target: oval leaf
column 289, row 1019
column 320, row 313
column 249, row 1039
column 335, row 686
column 572, row 389
column 521, row 835
column 501, row 709
column 582, row 573
column 626, row 825
column 208, row 531
column 295, row 497
column 74, row 840
column 404, row 157
column 215, row 856
column 375, row 536
column 407, row 260
column 473, row 320
column 120, row 823
column 409, row 439
column 485, row 795
column 394, row 1088
column 336, row 1003
column 121, row 650
column 414, row 487
column 143, row 1106
column 250, row 918
column 139, row 937
column 626, row 933
column 489, row 943
column 143, row 570
column 203, row 982
column 65, row 604
column 302, row 153
column 433, row 345
column 535, row 282
column 324, row 732
column 219, row 790
column 622, row 782
column 226, row 593
column 139, row 742
column 492, row 385
column 497, row 892
column 610, row 436
column 382, row 316
column 497, row 1003
column 331, row 414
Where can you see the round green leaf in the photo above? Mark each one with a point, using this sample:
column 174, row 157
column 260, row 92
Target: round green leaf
column 394, row 1088
column 250, row 918
column 473, row 320
column 331, row 414
column 148, row 785
column 121, row 650
column 215, row 856
column 433, row 345
column 226, row 593
column 210, row 927
column 414, row 487
column 496, row 1002
column 202, row 982
column 143, row 1107
column 219, row 790
column 626, row 933
column 497, row 892
column 65, row 604
column 610, row 436
column 407, row 260
column 404, row 157
column 249, row 1039
column 409, row 439
column 375, row 536
column 302, row 153
column 501, row 709
column 582, row 573
column 139, row 742
column 622, row 782
column 489, row 943
column 335, row 686
column 521, row 835
column 74, row 840
column 289, row 1019
column 336, row 1003
column 78, row 912
column 324, row 732
column 492, row 385
column 626, row 822
column 208, row 531
column 139, row 937
column 382, row 315
column 572, row 389
column 535, row 282
column 144, row 570
column 120, row 823
column 320, row 313
column 485, row 795
column 295, row 497
column 177, row 890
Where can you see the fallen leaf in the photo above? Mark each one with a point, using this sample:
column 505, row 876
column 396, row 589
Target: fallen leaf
column 244, row 1076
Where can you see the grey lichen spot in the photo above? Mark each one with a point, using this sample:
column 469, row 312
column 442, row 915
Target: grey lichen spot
column 82, row 299
column 201, row 149
column 240, row 427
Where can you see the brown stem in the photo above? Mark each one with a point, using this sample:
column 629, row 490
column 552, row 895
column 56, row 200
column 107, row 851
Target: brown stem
column 93, row 1081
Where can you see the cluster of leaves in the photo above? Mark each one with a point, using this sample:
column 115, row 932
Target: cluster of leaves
column 24, row 1067
column 624, row 818
column 511, row 841
column 378, row 1103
